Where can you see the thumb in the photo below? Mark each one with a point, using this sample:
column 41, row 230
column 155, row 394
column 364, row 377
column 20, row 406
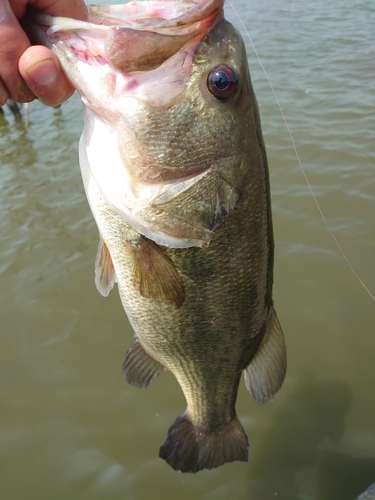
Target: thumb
column 42, row 72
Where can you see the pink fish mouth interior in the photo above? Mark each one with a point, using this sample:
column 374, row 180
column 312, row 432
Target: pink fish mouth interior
column 136, row 36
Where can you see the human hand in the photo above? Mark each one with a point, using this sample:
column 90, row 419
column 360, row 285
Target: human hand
column 30, row 72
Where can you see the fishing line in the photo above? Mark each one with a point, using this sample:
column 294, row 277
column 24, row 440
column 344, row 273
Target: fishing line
column 297, row 155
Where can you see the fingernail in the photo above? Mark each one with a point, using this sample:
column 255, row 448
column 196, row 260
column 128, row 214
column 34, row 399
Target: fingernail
column 43, row 73
column 4, row 10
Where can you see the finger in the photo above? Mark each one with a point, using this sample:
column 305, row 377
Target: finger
column 43, row 74
column 13, row 42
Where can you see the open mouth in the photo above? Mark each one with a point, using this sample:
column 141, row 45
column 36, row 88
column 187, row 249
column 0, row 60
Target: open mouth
column 135, row 36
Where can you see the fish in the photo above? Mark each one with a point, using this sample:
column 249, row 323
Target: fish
column 175, row 171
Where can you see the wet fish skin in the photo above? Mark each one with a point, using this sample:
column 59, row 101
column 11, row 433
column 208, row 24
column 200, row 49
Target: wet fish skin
column 204, row 310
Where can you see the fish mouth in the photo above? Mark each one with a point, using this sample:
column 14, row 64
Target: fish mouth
column 135, row 36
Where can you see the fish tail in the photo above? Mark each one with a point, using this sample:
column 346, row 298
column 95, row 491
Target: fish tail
column 191, row 448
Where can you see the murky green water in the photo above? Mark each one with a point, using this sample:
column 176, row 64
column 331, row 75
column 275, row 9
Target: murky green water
column 70, row 427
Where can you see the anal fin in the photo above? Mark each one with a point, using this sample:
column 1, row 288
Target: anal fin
column 154, row 274
column 266, row 372
column 105, row 276
column 138, row 367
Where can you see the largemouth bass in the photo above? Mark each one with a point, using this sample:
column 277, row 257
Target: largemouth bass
column 175, row 171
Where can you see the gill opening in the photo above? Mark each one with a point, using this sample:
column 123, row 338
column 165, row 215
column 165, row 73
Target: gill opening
column 298, row 157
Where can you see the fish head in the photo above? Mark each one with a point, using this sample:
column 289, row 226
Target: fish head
column 169, row 105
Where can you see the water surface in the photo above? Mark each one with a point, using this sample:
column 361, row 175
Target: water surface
column 70, row 427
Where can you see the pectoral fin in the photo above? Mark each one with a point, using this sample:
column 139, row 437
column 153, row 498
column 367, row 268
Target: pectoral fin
column 154, row 274
column 266, row 372
column 138, row 367
column 105, row 276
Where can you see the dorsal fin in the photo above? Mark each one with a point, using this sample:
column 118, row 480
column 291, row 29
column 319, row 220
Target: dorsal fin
column 154, row 274
column 105, row 276
column 266, row 372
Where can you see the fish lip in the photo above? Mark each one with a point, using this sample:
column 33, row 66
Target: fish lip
column 199, row 12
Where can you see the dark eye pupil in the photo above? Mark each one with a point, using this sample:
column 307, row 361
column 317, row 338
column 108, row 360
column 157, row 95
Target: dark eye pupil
column 222, row 82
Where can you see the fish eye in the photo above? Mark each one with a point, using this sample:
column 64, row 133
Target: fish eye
column 222, row 82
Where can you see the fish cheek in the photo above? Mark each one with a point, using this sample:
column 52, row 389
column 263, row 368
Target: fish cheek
column 134, row 158
column 143, row 168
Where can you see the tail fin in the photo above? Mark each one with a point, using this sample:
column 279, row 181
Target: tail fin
column 191, row 448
